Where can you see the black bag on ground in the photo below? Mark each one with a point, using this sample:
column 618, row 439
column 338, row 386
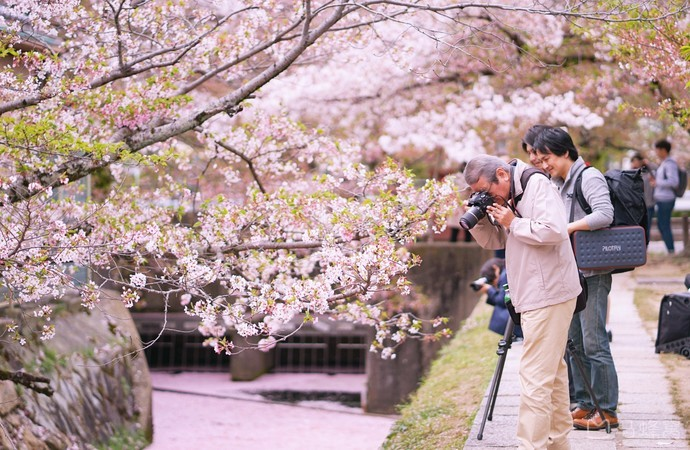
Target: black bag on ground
column 673, row 335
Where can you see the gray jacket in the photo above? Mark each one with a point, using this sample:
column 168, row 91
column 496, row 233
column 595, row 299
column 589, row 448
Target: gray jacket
column 595, row 191
column 540, row 264
column 666, row 181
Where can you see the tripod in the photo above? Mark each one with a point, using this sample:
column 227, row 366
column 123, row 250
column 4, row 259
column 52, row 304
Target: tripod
column 502, row 352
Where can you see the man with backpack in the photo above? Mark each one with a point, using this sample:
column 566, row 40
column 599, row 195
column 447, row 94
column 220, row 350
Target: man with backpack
column 665, row 184
column 560, row 158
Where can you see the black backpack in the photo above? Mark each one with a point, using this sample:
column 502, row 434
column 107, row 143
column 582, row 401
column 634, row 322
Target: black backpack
column 682, row 182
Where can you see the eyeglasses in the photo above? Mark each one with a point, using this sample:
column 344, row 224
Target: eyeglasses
column 488, row 188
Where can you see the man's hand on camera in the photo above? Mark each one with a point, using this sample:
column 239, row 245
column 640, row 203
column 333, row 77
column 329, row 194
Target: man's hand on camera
column 501, row 214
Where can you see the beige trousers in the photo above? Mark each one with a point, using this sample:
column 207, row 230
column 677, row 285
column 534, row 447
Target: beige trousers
column 544, row 419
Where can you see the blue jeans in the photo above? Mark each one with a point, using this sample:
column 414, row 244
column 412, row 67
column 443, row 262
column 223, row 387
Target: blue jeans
column 588, row 332
column 663, row 217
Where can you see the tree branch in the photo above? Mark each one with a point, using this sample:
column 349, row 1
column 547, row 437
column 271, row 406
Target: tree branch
column 248, row 161
column 29, row 381
column 612, row 15
column 129, row 69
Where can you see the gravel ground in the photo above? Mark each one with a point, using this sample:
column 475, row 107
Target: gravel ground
column 191, row 410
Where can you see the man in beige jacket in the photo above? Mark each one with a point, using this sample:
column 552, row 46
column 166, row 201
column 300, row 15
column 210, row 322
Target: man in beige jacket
column 544, row 284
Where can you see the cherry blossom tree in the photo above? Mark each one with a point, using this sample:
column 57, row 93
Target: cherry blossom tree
column 482, row 98
column 657, row 54
column 280, row 126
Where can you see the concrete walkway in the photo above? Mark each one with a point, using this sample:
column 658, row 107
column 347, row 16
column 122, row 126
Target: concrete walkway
column 646, row 414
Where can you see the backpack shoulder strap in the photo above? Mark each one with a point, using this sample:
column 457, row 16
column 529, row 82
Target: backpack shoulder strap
column 526, row 175
column 577, row 194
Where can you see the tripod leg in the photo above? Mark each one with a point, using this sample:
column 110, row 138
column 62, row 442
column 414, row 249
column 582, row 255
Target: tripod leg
column 578, row 362
column 502, row 352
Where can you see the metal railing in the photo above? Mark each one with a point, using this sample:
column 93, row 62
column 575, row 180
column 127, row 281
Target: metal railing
column 338, row 348
column 311, row 351
column 177, row 347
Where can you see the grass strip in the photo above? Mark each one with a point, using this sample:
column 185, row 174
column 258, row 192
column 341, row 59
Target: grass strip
column 440, row 413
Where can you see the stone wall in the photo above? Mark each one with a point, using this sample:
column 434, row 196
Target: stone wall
column 100, row 379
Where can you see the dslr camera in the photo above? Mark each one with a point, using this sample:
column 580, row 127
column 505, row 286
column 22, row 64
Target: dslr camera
column 478, row 283
column 478, row 202
column 487, row 273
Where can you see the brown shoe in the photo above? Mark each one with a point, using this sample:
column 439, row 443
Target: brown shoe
column 579, row 413
column 593, row 421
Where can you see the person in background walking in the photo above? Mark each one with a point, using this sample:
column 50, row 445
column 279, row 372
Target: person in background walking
column 664, row 183
column 638, row 161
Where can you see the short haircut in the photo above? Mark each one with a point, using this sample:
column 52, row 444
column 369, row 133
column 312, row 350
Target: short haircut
column 663, row 143
column 557, row 141
column 638, row 156
column 531, row 135
column 484, row 166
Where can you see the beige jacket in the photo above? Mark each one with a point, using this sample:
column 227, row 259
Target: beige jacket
column 540, row 263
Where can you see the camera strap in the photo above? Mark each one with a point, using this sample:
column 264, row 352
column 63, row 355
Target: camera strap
column 513, row 198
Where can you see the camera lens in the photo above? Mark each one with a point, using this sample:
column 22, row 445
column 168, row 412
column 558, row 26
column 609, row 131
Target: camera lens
column 471, row 217
column 478, row 283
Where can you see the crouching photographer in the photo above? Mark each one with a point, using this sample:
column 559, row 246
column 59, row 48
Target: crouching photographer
column 528, row 219
column 493, row 278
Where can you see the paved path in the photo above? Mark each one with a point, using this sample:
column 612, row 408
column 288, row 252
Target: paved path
column 646, row 413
